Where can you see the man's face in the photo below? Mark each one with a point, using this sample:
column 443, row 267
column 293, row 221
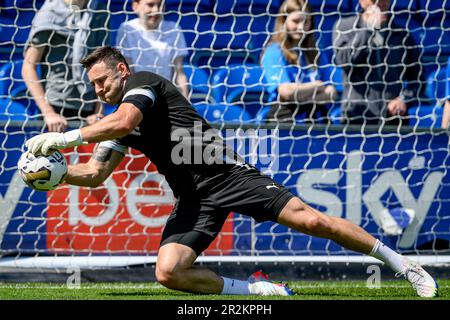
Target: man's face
column 108, row 82
column 149, row 12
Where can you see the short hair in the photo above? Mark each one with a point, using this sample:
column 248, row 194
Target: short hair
column 109, row 55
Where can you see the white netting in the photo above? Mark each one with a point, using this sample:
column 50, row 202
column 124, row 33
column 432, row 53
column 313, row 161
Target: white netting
column 392, row 181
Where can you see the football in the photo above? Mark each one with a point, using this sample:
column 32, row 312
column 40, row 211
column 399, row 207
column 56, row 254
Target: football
column 42, row 173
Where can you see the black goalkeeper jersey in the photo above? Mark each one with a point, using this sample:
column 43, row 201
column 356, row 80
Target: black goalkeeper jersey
column 172, row 134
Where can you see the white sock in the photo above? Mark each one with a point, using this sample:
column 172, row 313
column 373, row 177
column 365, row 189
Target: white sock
column 233, row 286
column 388, row 256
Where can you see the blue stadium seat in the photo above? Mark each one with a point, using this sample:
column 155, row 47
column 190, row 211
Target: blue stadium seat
column 243, row 84
column 119, row 5
column 15, row 17
column 196, row 19
column 198, row 80
column 11, row 82
column 425, row 116
column 247, row 6
column 239, row 83
column 412, row 6
column 13, row 87
column 186, row 6
column 216, row 40
column 222, row 112
column 15, row 27
column 436, row 32
column 433, row 7
column 327, row 6
column 23, row 4
column 197, row 31
column 241, row 36
column 261, row 28
column 11, row 110
column 233, row 32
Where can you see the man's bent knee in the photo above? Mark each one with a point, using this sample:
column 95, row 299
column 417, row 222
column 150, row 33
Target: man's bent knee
column 173, row 261
column 168, row 276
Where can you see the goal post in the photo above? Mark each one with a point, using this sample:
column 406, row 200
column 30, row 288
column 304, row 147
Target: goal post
column 394, row 183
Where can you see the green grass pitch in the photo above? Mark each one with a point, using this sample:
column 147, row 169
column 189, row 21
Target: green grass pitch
column 305, row 290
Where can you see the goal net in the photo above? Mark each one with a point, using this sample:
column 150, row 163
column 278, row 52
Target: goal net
column 391, row 180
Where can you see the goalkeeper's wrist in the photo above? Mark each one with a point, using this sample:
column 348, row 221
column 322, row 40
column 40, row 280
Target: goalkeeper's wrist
column 73, row 138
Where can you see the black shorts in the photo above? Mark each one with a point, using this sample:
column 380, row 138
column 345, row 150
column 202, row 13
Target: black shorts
column 197, row 219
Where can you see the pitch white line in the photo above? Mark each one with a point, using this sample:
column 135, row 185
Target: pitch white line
column 96, row 262
column 151, row 286
column 154, row 286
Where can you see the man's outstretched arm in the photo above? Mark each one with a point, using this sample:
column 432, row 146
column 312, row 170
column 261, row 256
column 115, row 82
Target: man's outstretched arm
column 116, row 125
column 102, row 163
column 113, row 126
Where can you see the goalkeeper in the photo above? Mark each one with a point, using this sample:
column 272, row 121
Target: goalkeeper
column 151, row 117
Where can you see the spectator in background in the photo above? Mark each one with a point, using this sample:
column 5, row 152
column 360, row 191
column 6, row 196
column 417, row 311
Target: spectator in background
column 297, row 76
column 446, row 115
column 150, row 43
column 64, row 31
column 378, row 59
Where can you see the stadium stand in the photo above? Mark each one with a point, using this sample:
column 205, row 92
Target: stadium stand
column 13, row 88
column 243, row 84
column 228, row 33
column 199, row 83
column 11, row 110
column 222, row 112
column 15, row 17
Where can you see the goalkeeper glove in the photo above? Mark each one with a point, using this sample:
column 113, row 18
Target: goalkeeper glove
column 42, row 143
